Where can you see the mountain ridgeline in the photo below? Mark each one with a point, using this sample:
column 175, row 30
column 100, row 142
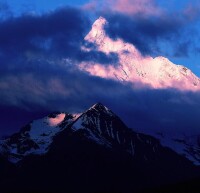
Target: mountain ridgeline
column 132, row 66
column 93, row 151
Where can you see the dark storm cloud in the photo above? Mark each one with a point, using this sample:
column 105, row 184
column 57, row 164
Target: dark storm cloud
column 98, row 57
column 51, row 87
column 146, row 33
column 63, row 28
column 162, row 110
column 62, row 87
column 54, row 35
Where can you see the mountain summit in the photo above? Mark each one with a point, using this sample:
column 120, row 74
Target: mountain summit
column 97, row 32
column 133, row 67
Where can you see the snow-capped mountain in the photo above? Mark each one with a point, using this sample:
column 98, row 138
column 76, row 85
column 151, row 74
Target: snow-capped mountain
column 132, row 66
column 93, row 151
column 98, row 124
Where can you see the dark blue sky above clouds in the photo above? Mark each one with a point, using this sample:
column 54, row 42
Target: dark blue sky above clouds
column 40, row 46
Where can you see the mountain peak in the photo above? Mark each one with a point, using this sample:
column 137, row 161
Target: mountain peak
column 97, row 33
column 100, row 22
column 99, row 107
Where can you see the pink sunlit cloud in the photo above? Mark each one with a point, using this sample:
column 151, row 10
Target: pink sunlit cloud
column 129, row 7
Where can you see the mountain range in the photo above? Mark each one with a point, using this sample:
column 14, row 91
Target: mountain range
column 93, row 151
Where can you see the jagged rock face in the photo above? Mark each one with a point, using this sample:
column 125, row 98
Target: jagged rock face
column 133, row 67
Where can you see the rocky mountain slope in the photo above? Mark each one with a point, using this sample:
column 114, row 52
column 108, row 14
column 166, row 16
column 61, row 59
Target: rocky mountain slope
column 93, row 151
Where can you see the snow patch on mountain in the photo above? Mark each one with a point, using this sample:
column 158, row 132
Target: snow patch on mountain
column 187, row 146
column 36, row 137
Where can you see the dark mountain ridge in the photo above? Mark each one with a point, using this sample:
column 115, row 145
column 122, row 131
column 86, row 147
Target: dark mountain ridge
column 90, row 152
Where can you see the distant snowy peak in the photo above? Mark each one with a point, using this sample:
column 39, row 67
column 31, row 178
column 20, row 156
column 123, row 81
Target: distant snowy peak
column 97, row 34
column 104, row 43
column 133, row 67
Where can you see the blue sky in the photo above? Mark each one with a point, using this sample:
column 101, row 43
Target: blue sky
column 19, row 6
